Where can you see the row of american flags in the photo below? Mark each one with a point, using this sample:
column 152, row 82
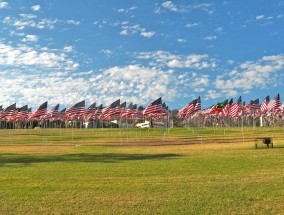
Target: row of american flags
column 231, row 109
column 114, row 111
column 156, row 109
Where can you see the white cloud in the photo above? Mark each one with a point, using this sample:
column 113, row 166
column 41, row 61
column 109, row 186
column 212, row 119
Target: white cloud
column 124, row 32
column 230, row 62
column 30, row 38
column 26, row 56
column 34, row 76
column 206, row 7
column 29, row 21
column 259, row 74
column 147, row 34
column 134, row 29
column 219, row 29
column 132, row 83
column 264, row 20
column 259, row 17
column 35, row 88
column 169, row 5
column 106, row 52
column 75, row 65
column 3, row 4
column 36, row 7
column 213, row 94
column 27, row 16
column 143, row 83
column 210, row 38
column 191, row 61
column 180, row 40
column 25, row 21
column 72, row 22
column 191, row 25
column 68, row 48
column 126, row 10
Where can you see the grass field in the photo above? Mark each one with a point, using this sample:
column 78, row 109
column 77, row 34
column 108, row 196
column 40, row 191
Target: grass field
column 133, row 171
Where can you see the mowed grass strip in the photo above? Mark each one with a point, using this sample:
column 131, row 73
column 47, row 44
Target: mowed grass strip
column 157, row 136
column 208, row 178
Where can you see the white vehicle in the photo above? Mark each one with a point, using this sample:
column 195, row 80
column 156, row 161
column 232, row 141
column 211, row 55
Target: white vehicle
column 145, row 124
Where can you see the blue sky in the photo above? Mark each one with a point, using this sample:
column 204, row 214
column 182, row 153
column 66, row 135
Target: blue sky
column 67, row 51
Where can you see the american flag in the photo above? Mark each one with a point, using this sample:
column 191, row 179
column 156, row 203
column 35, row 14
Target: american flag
column 252, row 107
column 10, row 113
column 23, row 113
column 165, row 111
column 62, row 115
column 264, row 104
column 188, row 109
column 129, row 111
column 53, row 114
column 235, row 108
column 90, row 112
column 111, row 111
column 154, row 108
column 274, row 104
column 121, row 110
column 76, row 111
column 139, row 112
column 207, row 110
column 98, row 112
column 226, row 109
column 40, row 112
column 197, row 106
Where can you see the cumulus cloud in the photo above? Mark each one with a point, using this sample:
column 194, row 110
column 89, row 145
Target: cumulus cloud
column 147, row 34
column 72, row 22
column 219, row 29
column 132, row 83
column 170, row 6
column 68, row 48
column 180, row 40
column 36, row 7
column 191, row 25
column 264, row 20
column 27, row 56
column 29, row 21
column 3, row 4
column 30, row 38
column 106, row 52
column 259, row 74
column 126, row 10
column 191, row 61
column 142, row 83
column 210, row 38
column 206, row 7
column 259, row 17
column 33, row 76
column 25, row 21
column 35, row 88
column 135, row 29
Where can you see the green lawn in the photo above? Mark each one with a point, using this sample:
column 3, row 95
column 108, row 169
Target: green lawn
column 101, row 172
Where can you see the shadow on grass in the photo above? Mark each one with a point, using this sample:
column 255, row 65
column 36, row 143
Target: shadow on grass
column 26, row 159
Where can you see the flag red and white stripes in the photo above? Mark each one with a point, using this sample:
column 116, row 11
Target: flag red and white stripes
column 154, row 108
column 235, row 108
